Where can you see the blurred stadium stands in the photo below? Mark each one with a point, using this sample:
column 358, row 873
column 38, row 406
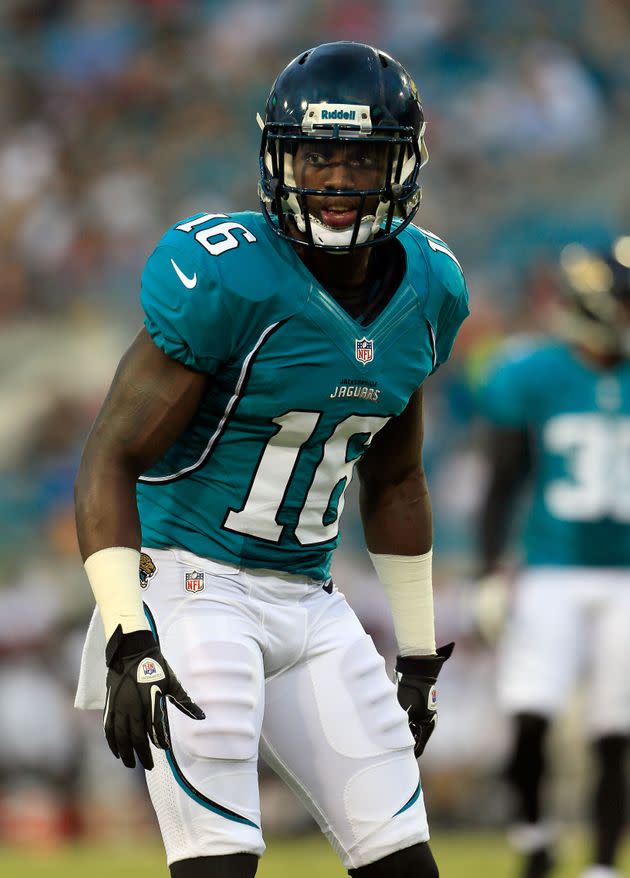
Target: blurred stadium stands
column 118, row 118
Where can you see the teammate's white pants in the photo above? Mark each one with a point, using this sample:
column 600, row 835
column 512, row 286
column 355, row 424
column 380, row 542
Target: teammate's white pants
column 275, row 659
column 569, row 624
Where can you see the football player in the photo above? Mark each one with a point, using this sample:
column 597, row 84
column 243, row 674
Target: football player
column 280, row 350
column 560, row 414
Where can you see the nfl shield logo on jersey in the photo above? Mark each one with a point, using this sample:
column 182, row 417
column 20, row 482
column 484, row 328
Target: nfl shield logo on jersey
column 195, row 581
column 364, row 350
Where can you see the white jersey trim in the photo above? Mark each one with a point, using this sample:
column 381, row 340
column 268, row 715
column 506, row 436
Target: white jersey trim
column 245, row 368
column 433, row 344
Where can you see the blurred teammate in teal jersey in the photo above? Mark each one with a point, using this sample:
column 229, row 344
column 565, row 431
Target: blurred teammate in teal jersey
column 281, row 349
column 560, row 412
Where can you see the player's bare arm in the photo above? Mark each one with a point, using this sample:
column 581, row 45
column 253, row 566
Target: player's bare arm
column 509, row 455
column 396, row 513
column 151, row 401
column 510, row 458
column 395, row 501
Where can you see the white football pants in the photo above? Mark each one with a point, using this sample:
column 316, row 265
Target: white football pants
column 569, row 625
column 277, row 661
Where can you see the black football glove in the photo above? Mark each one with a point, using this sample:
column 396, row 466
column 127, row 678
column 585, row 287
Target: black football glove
column 416, row 678
column 138, row 680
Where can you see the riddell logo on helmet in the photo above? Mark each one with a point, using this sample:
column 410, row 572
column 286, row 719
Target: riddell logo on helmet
column 349, row 115
column 354, row 118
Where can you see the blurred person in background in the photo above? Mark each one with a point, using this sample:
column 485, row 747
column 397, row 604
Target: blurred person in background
column 40, row 762
column 280, row 350
column 559, row 411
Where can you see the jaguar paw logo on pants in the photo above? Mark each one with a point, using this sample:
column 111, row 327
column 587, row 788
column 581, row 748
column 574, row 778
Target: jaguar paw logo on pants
column 147, row 569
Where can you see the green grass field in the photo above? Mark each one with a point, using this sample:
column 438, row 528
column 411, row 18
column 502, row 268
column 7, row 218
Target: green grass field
column 459, row 855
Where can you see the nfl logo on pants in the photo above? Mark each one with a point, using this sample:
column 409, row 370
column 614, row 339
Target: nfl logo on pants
column 195, row 581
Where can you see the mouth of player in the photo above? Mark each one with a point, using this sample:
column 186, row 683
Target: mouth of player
column 338, row 217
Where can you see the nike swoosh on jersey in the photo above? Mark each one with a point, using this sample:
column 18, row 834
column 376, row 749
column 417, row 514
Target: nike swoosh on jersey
column 189, row 282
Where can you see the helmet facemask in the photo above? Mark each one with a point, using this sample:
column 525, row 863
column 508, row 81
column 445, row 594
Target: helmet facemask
column 395, row 196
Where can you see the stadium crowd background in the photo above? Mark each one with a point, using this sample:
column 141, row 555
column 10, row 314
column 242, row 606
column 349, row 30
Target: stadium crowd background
column 118, row 118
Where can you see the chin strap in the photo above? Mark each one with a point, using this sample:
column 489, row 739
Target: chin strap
column 324, row 236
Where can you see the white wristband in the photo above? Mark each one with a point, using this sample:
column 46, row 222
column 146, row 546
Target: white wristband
column 115, row 581
column 408, row 584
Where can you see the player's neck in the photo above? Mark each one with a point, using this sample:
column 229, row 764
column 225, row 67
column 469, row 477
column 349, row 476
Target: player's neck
column 342, row 275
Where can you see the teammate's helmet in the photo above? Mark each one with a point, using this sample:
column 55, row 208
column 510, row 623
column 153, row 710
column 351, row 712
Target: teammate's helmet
column 345, row 93
column 596, row 286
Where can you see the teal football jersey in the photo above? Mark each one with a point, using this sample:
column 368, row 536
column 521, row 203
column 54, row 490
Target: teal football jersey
column 298, row 387
column 579, row 420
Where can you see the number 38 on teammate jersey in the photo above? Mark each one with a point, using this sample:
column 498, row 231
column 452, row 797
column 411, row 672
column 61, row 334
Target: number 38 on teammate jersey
column 299, row 388
column 578, row 417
